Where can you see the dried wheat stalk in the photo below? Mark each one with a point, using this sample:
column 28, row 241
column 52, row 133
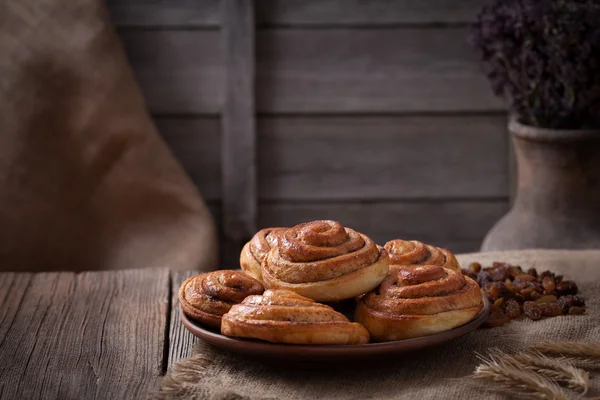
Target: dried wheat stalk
column 571, row 349
column 516, row 379
column 557, row 369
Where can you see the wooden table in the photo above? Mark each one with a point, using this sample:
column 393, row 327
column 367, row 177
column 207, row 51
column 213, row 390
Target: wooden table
column 111, row 334
column 90, row 335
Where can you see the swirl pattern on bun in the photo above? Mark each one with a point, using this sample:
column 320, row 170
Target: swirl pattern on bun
column 324, row 261
column 206, row 297
column 413, row 252
column 281, row 316
column 417, row 301
column 255, row 251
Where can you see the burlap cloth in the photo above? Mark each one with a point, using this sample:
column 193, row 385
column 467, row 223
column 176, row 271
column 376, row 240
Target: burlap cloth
column 423, row 375
column 86, row 182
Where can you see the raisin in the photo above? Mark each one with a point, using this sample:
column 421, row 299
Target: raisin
column 514, row 271
column 576, row 310
column 525, row 277
column 498, row 289
column 551, row 309
column 513, row 309
column 496, row 318
column 566, row 302
column 558, row 278
column 566, row 287
column 508, row 294
column 499, row 274
column 532, row 272
column 519, row 298
column 536, row 296
column 538, row 287
column 578, row 301
column 519, row 284
column 475, row 267
column 532, row 310
column 499, row 303
column 546, row 299
column 545, row 274
column 491, row 293
column 548, row 283
column 527, row 292
column 483, row 277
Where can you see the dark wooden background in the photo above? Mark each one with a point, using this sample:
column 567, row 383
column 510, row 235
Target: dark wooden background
column 371, row 112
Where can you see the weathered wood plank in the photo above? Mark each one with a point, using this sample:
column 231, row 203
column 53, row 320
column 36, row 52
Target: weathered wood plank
column 181, row 340
column 382, row 157
column 165, row 13
column 88, row 335
column 308, row 13
column 369, row 71
column 179, row 71
column 316, row 71
column 304, row 13
column 457, row 225
column 377, row 157
column 196, row 142
column 12, row 292
column 238, row 125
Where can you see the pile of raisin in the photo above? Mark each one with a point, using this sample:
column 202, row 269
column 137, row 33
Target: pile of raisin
column 514, row 292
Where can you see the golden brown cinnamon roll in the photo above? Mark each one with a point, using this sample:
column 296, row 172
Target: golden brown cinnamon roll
column 324, row 261
column 206, row 297
column 417, row 301
column 413, row 252
column 255, row 251
column 282, row 316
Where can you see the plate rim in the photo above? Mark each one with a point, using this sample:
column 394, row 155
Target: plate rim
column 250, row 345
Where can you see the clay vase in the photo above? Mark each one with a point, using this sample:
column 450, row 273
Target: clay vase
column 558, row 194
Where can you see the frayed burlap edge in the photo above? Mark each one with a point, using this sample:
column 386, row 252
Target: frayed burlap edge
column 184, row 380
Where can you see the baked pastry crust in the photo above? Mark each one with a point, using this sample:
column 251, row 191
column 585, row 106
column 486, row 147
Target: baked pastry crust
column 255, row 251
column 324, row 261
column 418, row 301
column 413, row 252
column 282, row 316
column 206, row 297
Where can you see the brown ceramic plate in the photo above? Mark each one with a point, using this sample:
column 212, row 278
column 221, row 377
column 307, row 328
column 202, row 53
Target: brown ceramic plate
column 328, row 354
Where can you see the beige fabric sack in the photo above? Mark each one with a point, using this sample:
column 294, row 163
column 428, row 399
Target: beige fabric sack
column 85, row 180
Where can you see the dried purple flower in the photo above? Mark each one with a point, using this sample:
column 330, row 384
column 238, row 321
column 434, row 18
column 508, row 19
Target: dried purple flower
column 543, row 56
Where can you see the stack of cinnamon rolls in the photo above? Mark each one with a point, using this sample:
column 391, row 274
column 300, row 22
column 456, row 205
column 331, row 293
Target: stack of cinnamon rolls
column 292, row 279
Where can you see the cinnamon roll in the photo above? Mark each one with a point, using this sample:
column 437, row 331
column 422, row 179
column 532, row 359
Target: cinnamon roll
column 324, row 261
column 282, row 316
column 255, row 251
column 413, row 252
column 206, row 297
column 417, row 301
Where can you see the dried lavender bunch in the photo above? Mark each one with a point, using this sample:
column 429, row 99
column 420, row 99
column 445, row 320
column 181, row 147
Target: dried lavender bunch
column 543, row 56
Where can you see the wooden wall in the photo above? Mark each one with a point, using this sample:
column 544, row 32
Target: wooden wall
column 371, row 112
